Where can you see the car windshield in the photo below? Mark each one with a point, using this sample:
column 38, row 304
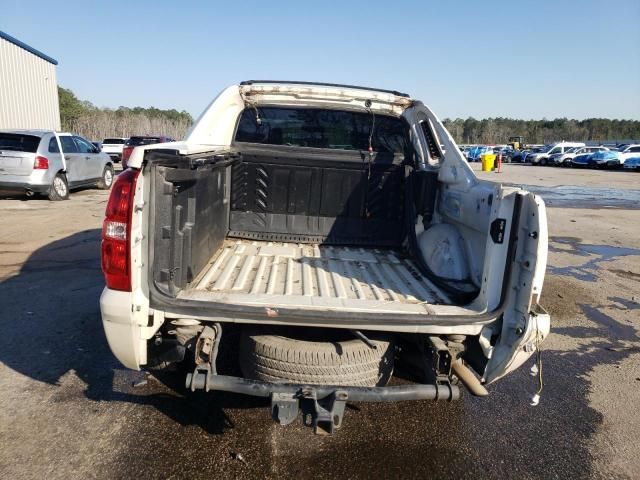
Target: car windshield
column 320, row 128
column 19, row 142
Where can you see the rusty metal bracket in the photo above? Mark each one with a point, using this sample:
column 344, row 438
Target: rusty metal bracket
column 442, row 359
column 284, row 407
column 206, row 353
column 204, row 346
column 326, row 413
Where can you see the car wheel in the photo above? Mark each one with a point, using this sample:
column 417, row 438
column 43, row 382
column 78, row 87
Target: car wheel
column 59, row 188
column 107, row 178
column 301, row 356
column 543, row 162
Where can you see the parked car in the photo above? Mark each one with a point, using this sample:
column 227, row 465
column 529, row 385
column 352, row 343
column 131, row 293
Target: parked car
column 581, row 160
column 136, row 141
column 31, row 163
column 632, row 163
column 628, row 151
column 605, row 159
column 475, row 153
column 524, row 155
column 113, row 146
column 601, row 159
column 519, row 156
column 542, row 157
column 506, row 152
column 564, row 159
column 258, row 224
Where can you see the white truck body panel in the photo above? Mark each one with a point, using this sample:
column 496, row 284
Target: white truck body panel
column 126, row 315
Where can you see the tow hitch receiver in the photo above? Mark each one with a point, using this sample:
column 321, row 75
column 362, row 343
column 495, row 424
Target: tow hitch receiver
column 325, row 413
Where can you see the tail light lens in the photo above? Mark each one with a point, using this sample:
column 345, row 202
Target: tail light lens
column 116, row 232
column 126, row 152
column 41, row 163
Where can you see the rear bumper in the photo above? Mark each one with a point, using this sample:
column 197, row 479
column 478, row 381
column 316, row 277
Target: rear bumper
column 123, row 335
column 256, row 388
column 38, row 181
column 23, row 187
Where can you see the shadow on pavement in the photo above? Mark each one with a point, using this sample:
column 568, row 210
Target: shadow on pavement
column 51, row 322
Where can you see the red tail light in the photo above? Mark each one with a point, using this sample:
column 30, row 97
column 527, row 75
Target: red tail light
column 126, row 152
column 116, row 232
column 41, row 163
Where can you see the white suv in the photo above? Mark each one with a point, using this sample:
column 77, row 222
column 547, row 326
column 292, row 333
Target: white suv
column 113, row 147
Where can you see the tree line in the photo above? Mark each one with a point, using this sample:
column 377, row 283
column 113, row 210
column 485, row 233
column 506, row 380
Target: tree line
column 498, row 130
column 84, row 118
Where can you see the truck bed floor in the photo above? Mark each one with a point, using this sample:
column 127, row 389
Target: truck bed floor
column 247, row 272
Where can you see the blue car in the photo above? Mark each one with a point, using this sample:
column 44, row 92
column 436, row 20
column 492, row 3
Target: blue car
column 605, row 159
column 602, row 159
column 581, row 160
column 632, row 164
column 475, row 153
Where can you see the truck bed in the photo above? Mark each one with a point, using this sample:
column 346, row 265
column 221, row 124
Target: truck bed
column 274, row 274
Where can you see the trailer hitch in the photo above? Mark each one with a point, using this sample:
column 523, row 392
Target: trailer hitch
column 323, row 406
column 323, row 414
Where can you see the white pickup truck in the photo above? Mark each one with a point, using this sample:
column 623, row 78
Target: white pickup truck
column 316, row 236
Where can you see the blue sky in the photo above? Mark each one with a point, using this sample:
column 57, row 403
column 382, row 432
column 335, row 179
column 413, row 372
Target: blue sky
column 523, row 59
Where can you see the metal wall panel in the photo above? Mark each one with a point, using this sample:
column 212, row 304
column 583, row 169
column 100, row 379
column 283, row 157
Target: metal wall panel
column 28, row 90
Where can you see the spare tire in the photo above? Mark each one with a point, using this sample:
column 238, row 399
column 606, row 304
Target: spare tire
column 315, row 356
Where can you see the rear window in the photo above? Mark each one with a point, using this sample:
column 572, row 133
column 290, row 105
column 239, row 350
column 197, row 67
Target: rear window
column 317, row 128
column 135, row 141
column 113, row 141
column 19, row 142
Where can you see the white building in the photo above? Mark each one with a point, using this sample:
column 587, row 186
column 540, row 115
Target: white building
column 28, row 87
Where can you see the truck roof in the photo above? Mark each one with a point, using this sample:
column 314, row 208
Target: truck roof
column 320, row 84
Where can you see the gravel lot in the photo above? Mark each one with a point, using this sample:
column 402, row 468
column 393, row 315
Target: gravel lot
column 68, row 409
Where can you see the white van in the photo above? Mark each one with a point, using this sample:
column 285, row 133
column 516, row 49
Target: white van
column 542, row 158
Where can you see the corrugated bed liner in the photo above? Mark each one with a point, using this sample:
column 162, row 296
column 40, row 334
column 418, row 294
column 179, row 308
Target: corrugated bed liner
column 247, row 272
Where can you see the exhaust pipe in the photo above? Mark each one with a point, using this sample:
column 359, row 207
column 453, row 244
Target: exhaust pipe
column 468, row 379
column 29, row 193
column 453, row 349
